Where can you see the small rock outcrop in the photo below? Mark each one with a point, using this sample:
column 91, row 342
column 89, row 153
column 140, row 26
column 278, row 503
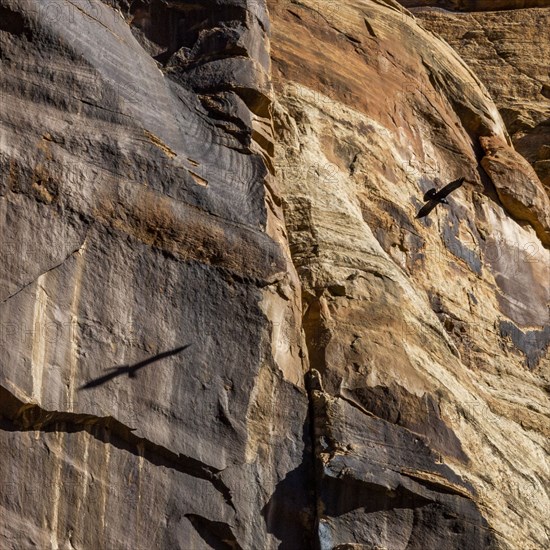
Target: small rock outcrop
column 518, row 186
column 507, row 51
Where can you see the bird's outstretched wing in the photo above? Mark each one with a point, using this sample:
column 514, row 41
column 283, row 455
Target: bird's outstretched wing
column 427, row 208
column 449, row 188
column 115, row 371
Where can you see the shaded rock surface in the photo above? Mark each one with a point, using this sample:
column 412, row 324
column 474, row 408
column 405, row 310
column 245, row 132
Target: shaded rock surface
column 222, row 326
column 136, row 220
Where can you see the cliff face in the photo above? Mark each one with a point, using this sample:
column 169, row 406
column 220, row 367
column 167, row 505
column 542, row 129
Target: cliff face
column 222, row 325
column 508, row 51
column 136, row 220
column 477, row 5
column 417, row 328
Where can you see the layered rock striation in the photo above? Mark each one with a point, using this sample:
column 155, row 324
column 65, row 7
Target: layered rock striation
column 508, row 50
column 430, row 338
column 137, row 220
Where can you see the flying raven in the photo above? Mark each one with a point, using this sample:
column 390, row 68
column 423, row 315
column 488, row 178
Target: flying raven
column 434, row 197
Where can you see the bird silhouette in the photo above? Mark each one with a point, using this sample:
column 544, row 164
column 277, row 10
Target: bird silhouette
column 434, row 197
column 130, row 370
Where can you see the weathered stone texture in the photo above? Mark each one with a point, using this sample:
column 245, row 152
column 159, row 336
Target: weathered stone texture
column 509, row 51
column 477, row 5
column 517, row 185
column 136, row 219
column 429, row 337
column 221, row 324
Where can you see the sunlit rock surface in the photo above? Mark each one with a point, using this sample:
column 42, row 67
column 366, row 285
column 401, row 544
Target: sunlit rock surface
column 430, row 337
column 476, row 5
column 221, row 324
column 509, row 51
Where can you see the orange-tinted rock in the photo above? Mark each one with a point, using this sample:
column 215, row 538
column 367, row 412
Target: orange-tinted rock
column 433, row 327
column 509, row 52
column 477, row 5
column 517, row 185
column 181, row 242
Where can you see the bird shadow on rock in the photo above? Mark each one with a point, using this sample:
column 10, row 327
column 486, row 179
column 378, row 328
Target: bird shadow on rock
column 131, row 370
column 290, row 512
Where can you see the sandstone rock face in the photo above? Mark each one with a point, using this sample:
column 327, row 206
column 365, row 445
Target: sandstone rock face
column 509, row 52
column 136, row 220
column 431, row 423
column 517, row 186
column 222, row 326
column 477, row 5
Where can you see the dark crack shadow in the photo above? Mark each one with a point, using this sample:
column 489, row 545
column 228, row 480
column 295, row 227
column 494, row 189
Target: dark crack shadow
column 217, row 535
column 345, row 494
column 290, row 512
column 17, row 416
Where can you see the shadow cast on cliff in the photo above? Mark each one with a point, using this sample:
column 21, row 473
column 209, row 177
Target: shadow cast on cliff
column 17, row 416
column 131, row 370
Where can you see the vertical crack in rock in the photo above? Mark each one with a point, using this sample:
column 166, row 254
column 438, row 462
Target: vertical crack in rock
column 313, row 384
